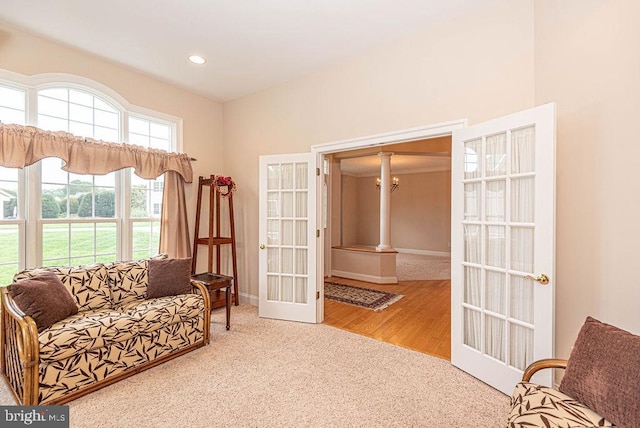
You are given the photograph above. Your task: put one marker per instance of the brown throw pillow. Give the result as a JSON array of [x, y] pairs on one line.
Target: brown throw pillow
[[169, 277], [44, 298], [604, 372]]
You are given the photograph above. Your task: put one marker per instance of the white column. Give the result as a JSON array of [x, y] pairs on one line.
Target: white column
[[385, 201]]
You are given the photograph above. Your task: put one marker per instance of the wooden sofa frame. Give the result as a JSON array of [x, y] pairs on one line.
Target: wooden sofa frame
[[20, 354]]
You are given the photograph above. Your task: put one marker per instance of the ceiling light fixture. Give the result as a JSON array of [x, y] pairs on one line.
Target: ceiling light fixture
[[197, 59]]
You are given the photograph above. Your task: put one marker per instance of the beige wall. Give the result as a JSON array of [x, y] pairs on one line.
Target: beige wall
[[349, 210], [202, 118], [479, 66], [420, 212], [421, 217], [587, 60]]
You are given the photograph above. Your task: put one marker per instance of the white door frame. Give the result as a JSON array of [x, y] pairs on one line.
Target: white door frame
[[442, 129]]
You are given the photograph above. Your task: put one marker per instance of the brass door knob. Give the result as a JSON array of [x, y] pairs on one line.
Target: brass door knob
[[542, 278], [262, 246]]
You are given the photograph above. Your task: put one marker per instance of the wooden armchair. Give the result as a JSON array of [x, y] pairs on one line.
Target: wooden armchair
[[600, 386]]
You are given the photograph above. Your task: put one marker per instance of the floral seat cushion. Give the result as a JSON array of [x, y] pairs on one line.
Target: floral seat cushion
[[533, 405], [85, 331], [86, 284], [154, 314]]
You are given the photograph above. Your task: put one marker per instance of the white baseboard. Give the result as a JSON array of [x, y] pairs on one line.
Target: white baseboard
[[366, 278], [423, 252], [249, 299]]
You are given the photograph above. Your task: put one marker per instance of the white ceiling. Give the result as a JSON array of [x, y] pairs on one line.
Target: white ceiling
[[249, 45]]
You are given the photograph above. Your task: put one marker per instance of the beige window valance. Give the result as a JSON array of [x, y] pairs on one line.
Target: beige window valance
[[21, 146]]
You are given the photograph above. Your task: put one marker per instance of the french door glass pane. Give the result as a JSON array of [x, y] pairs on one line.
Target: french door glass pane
[[522, 150], [287, 232], [522, 200], [273, 204], [301, 233], [473, 159], [472, 286], [472, 241], [301, 261], [494, 337], [301, 204], [273, 260], [301, 290], [273, 232], [301, 176], [496, 246], [496, 155], [495, 201], [521, 348], [287, 289], [472, 198], [287, 204], [472, 329], [287, 176], [287, 260], [495, 293], [522, 249], [272, 287], [522, 299], [273, 177]]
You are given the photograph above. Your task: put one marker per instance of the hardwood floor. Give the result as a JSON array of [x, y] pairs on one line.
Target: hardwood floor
[[420, 321]]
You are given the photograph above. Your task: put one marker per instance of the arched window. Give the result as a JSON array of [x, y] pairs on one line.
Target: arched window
[[51, 217]]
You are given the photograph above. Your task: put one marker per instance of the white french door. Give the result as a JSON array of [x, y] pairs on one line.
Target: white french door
[[287, 254], [503, 239]]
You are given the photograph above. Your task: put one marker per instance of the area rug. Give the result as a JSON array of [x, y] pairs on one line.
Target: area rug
[[357, 296]]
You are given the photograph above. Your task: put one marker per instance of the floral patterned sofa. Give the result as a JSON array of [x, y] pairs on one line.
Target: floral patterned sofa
[[117, 331], [599, 388]]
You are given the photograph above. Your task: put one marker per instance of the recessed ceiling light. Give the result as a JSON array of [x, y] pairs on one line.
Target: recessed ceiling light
[[197, 59]]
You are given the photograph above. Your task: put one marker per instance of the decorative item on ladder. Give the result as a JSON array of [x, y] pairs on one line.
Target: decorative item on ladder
[[218, 186]]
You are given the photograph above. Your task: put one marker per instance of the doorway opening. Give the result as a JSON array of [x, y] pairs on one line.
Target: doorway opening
[[420, 224]]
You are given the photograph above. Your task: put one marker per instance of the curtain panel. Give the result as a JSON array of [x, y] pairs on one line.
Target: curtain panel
[[22, 146]]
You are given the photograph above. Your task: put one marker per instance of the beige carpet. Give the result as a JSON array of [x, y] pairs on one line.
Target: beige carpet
[[412, 267], [266, 373]]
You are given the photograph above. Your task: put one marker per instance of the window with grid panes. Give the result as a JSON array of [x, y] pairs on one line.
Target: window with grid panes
[[12, 225], [82, 218]]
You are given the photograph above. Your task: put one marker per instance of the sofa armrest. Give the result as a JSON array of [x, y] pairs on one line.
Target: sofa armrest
[[19, 351], [547, 363], [202, 289]]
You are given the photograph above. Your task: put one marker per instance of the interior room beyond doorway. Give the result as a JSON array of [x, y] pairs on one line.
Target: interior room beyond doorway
[[420, 223]]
